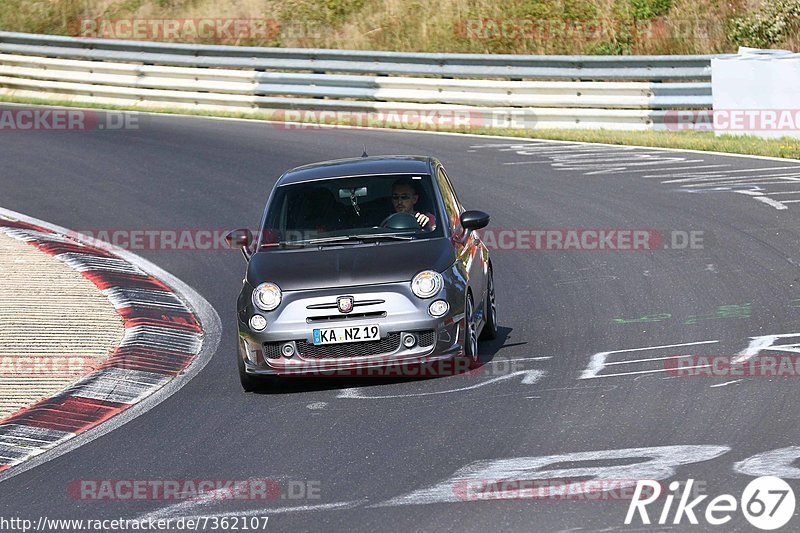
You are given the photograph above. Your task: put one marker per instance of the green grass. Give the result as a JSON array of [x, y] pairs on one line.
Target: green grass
[[685, 140]]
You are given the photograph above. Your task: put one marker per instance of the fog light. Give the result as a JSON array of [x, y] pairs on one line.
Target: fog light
[[287, 349], [409, 340], [438, 308], [258, 323]]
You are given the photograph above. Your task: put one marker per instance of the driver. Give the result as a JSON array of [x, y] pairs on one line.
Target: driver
[[404, 199]]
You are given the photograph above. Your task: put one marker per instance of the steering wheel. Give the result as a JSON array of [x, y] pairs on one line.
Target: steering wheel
[[400, 221]]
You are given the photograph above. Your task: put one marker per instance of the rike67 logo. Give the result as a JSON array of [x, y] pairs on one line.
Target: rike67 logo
[[767, 503]]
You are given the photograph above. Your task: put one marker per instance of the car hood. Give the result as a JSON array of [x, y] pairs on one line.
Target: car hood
[[343, 266]]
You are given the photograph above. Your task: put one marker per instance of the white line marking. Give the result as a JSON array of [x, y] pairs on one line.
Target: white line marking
[[647, 360], [755, 184], [512, 360], [529, 377], [645, 372], [733, 178], [614, 157], [726, 383], [223, 495], [280, 510], [767, 342], [598, 360], [778, 463], [596, 365], [671, 169], [584, 157], [585, 280], [713, 174], [769, 201], [623, 466], [528, 163], [202, 499], [770, 180], [615, 170], [543, 149], [622, 162]]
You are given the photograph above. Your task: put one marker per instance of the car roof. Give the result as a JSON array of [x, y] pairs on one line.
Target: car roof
[[358, 166]]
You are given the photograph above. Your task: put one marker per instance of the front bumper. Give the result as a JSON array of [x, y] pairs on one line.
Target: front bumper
[[392, 307]]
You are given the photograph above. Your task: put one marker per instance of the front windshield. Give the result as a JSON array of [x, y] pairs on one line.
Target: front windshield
[[394, 206]]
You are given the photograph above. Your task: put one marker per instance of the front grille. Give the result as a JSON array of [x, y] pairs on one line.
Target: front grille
[[425, 338], [272, 350], [334, 305], [349, 349], [354, 316]]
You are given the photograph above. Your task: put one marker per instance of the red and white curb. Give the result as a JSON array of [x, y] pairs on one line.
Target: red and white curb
[[170, 333]]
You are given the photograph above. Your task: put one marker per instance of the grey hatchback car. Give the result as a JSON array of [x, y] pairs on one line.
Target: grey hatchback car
[[362, 264]]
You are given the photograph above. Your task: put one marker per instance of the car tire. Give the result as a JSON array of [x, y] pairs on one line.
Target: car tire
[[470, 334], [490, 328]]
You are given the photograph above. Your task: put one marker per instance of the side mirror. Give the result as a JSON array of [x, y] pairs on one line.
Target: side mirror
[[239, 238], [473, 220]]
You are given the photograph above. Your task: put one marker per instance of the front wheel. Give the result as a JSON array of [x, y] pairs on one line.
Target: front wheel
[[470, 332], [490, 329]]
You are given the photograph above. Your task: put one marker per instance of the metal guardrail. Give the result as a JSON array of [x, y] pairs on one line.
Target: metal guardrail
[[562, 91]]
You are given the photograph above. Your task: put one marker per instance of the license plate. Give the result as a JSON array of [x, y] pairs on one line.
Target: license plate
[[348, 334]]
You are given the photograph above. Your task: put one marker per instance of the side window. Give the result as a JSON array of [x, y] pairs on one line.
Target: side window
[[450, 201], [453, 192]]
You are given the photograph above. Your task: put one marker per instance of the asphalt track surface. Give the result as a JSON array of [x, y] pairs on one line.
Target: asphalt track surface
[[368, 445]]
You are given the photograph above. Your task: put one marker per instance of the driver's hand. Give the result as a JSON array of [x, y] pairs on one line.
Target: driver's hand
[[422, 220]]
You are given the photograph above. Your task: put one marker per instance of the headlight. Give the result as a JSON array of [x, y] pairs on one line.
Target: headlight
[[267, 296], [427, 283]]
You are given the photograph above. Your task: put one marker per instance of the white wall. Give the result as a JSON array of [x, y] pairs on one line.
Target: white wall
[[757, 93]]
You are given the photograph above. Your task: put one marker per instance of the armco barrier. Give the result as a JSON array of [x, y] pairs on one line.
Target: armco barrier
[[618, 92]]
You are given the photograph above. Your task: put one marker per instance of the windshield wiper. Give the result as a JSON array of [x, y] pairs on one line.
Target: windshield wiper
[[322, 240], [398, 236], [340, 239], [326, 240], [284, 244]]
